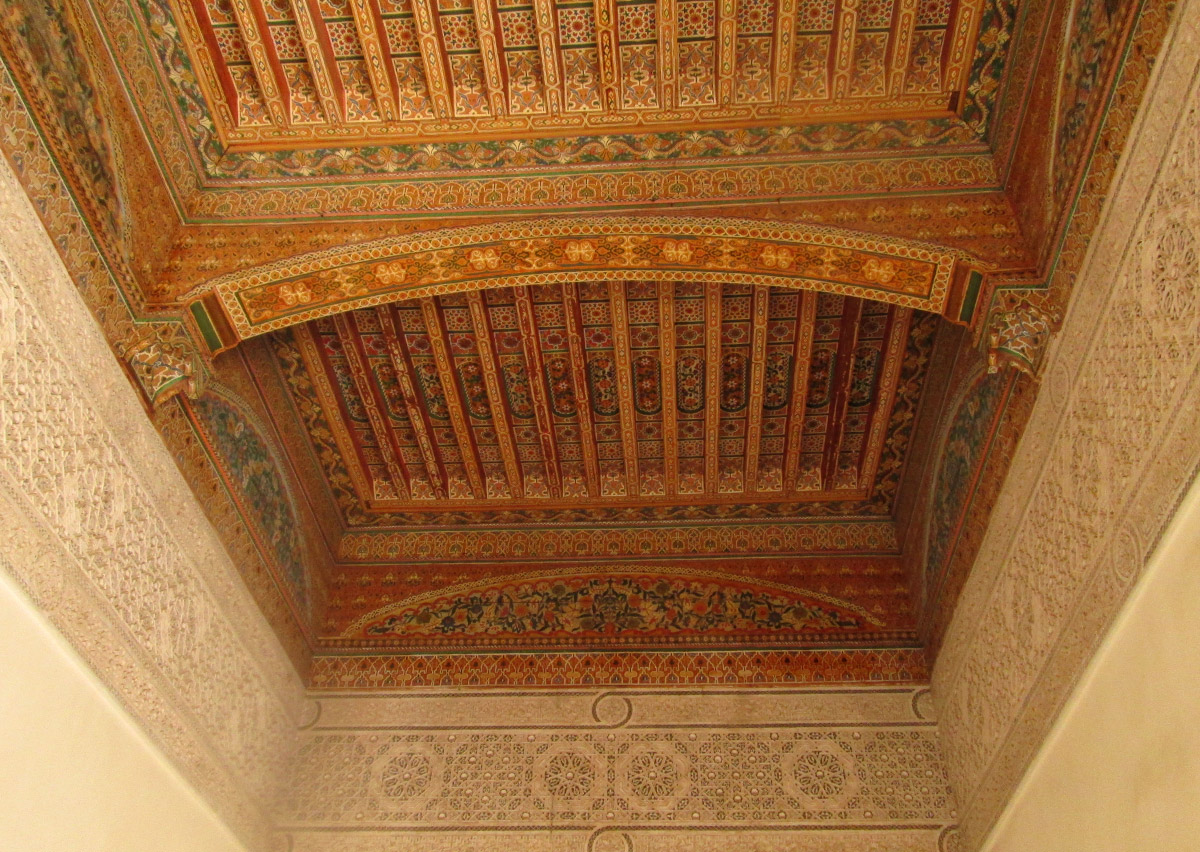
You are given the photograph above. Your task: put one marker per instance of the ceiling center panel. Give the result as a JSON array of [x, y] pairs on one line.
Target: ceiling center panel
[[295, 73]]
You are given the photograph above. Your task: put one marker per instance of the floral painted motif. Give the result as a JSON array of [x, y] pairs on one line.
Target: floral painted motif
[[516, 387], [621, 605], [470, 374], [777, 389], [689, 384], [735, 382], [252, 473], [431, 389], [602, 378], [863, 375], [647, 384], [820, 377], [562, 390]]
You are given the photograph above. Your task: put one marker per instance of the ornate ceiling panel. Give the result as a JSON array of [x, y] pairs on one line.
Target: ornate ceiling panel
[[667, 400], [336, 72]]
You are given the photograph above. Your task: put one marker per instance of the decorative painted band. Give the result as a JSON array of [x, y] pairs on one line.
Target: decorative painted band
[[911, 274]]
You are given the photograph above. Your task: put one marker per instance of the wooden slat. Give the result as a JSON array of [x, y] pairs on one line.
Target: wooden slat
[[531, 346], [494, 75], [624, 366], [760, 301], [670, 410], [374, 406], [726, 50], [845, 25], [608, 48], [436, 329], [798, 409], [252, 24], [546, 23], [712, 386], [224, 80], [437, 71], [904, 25], [959, 45], [785, 48], [418, 414], [317, 368], [667, 15], [493, 380], [840, 400], [899, 323], [587, 435], [318, 47], [368, 22]]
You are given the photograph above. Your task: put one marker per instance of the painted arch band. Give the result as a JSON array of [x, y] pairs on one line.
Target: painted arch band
[[737, 251]]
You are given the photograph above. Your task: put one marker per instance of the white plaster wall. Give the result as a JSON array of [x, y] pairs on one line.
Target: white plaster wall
[[76, 773], [1121, 769]]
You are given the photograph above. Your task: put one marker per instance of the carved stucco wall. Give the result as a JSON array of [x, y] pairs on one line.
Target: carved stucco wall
[[1112, 443], [99, 528]]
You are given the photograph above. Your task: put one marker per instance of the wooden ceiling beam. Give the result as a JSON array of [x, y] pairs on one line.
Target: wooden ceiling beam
[[374, 405], [608, 48], [786, 14], [418, 414], [667, 15], [494, 76], [368, 22], [575, 345], [845, 27], [712, 386], [670, 411], [435, 327], [546, 23], [798, 409], [959, 47], [318, 48], [840, 398], [226, 96], [759, 304], [433, 57], [531, 346], [493, 378], [904, 25], [260, 47], [726, 51], [888, 383], [624, 368]]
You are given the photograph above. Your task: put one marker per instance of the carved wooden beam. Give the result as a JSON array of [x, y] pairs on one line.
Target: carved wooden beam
[[374, 406], [531, 346], [463, 433], [667, 15], [505, 436], [317, 366], [546, 23], [608, 48], [904, 25], [670, 412], [845, 25], [785, 48], [368, 22], [726, 50], [486, 22], [798, 409], [327, 79], [960, 44], [418, 415], [896, 341], [260, 47], [433, 58], [840, 401], [760, 302], [574, 321], [624, 367], [226, 94], [712, 385]]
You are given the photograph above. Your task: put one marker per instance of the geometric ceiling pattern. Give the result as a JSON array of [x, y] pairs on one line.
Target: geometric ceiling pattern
[[335, 72]]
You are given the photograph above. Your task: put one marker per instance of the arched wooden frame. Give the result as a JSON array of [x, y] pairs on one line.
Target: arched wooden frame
[[910, 274]]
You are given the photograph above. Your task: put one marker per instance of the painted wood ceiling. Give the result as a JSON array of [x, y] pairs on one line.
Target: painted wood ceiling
[[328, 72]]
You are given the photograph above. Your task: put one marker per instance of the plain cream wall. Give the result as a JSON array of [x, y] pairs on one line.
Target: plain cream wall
[[1121, 769], [76, 774]]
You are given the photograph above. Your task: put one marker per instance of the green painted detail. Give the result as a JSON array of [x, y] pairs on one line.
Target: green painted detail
[[211, 338], [974, 284]]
